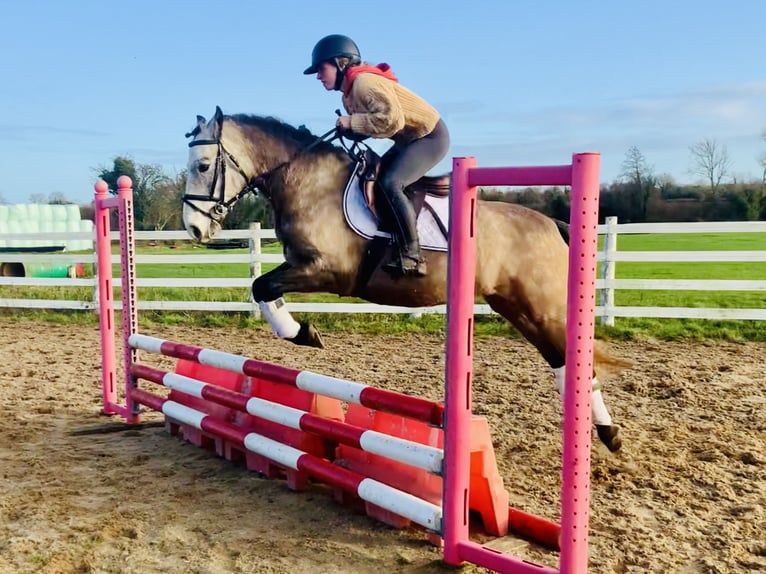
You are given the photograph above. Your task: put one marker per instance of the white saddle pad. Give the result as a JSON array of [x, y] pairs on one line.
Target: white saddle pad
[[365, 223]]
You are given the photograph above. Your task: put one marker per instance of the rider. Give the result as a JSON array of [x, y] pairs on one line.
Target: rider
[[380, 107]]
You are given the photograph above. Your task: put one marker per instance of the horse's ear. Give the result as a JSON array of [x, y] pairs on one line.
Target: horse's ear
[[200, 124], [218, 119]]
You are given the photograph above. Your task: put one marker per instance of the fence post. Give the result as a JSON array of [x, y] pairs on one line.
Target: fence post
[[254, 244], [608, 271]]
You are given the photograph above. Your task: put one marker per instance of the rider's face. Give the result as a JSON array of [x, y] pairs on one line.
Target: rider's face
[[327, 73]]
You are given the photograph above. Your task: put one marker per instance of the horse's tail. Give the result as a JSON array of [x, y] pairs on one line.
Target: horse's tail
[[563, 228], [607, 363]]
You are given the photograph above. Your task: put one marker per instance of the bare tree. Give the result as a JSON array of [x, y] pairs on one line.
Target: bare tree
[[637, 172], [163, 203], [666, 184], [54, 198], [58, 198], [635, 168], [762, 161], [710, 161]]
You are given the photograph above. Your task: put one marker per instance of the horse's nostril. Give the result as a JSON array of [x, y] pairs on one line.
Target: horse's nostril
[[195, 232]]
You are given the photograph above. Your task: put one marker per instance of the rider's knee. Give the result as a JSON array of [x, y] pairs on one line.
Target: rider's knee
[[391, 184]]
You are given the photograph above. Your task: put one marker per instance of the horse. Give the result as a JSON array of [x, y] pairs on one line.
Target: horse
[[521, 257]]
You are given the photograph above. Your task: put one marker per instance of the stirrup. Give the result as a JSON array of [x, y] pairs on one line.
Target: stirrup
[[407, 266]]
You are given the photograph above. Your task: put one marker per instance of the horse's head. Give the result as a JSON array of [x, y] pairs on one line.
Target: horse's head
[[217, 177]]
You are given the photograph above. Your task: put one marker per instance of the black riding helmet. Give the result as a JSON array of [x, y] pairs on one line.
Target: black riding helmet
[[332, 47]]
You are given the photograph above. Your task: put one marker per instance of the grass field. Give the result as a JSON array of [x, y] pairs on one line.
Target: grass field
[[625, 328]]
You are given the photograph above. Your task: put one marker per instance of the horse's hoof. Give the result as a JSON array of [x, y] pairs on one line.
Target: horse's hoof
[[308, 336], [610, 436]]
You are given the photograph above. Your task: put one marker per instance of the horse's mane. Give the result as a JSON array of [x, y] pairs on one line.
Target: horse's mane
[[279, 129]]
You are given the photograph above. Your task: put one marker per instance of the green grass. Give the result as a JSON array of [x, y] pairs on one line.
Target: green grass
[[691, 242], [625, 328], [711, 270]]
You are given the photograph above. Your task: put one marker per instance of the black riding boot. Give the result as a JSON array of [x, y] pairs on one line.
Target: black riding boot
[[409, 261]]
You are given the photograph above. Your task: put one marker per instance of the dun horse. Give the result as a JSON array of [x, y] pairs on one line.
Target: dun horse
[[522, 258]]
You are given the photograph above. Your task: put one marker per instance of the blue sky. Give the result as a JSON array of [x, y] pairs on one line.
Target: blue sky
[[518, 82]]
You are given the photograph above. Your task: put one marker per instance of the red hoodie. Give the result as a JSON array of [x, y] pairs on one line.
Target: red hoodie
[[379, 70]]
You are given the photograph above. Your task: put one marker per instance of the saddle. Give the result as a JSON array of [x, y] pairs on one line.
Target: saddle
[[368, 171]]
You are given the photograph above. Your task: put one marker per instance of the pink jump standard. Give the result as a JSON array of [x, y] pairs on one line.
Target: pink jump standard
[[122, 204], [453, 464], [583, 177]]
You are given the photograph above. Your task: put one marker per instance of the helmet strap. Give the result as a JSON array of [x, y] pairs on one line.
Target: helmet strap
[[340, 75]]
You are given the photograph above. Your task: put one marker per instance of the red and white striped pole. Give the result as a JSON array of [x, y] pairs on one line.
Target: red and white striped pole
[[422, 456], [378, 399], [404, 504]]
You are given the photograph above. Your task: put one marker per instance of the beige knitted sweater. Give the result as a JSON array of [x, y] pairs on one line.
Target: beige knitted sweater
[[382, 108]]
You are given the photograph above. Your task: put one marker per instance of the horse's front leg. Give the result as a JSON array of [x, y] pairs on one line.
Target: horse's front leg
[[268, 290]]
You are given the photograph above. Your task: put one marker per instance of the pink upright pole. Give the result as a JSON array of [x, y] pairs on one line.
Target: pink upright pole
[[129, 304], [581, 301], [461, 278], [105, 301]]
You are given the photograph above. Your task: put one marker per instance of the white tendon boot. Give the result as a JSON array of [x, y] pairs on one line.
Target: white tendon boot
[[601, 416], [282, 323]]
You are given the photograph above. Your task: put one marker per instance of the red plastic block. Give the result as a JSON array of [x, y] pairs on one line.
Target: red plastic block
[[263, 389], [487, 495]]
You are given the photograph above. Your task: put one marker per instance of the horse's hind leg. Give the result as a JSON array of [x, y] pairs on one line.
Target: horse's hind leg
[[549, 338]]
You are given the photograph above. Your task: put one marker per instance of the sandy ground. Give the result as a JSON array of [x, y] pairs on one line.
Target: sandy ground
[[687, 493]]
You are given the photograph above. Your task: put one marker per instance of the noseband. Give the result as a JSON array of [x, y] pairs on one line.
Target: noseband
[[218, 212]]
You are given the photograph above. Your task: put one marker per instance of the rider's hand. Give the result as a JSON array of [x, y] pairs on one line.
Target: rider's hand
[[343, 123]]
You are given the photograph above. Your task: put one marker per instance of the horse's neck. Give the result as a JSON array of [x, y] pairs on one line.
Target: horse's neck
[[307, 182], [256, 151], [297, 180]]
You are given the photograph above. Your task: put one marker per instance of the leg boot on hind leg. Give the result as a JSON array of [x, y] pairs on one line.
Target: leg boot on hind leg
[[608, 433]]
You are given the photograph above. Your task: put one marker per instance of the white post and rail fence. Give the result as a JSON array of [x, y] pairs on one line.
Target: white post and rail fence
[[21, 265]]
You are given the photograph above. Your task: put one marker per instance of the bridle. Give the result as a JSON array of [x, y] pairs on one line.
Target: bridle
[[257, 184]]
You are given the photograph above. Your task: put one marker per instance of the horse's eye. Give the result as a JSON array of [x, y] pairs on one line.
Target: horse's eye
[[203, 167]]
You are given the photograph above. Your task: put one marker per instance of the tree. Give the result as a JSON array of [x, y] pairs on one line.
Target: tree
[[762, 161], [250, 209], [58, 198], [55, 198], [637, 172], [666, 185], [710, 161], [145, 177], [163, 204], [635, 167], [120, 166]]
